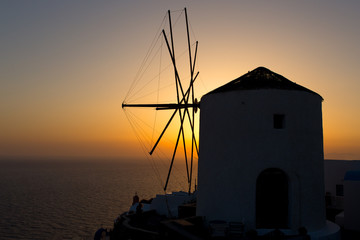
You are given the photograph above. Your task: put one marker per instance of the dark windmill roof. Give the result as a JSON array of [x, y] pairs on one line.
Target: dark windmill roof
[[260, 78]]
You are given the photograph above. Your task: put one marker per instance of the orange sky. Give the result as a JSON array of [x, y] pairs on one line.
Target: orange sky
[[66, 67]]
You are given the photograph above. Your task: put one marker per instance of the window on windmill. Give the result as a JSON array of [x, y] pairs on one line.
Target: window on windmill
[[339, 190], [279, 121]]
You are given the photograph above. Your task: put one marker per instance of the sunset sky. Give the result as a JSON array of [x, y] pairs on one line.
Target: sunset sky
[[66, 66]]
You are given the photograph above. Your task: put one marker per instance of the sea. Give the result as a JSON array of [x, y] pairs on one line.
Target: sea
[[71, 199]]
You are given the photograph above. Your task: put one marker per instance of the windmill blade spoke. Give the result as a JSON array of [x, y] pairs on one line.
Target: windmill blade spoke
[[188, 38], [191, 86], [193, 144], [171, 37], [162, 133], [191, 162], [177, 88], [196, 146], [191, 121], [172, 56], [192, 82], [172, 160], [180, 85], [195, 54], [182, 117]]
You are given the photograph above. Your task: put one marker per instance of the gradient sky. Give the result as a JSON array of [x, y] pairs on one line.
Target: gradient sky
[[66, 66]]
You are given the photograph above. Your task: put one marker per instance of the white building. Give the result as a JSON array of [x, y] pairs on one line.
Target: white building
[[342, 186], [261, 154], [335, 171], [352, 200]]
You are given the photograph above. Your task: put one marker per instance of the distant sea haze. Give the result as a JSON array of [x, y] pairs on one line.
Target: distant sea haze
[[72, 199]]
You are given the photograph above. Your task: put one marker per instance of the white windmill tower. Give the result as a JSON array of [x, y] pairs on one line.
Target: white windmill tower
[[261, 154]]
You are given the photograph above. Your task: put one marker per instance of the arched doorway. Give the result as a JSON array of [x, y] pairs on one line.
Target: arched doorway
[[272, 199]]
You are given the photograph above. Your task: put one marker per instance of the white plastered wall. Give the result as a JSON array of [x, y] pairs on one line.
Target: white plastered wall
[[238, 141]]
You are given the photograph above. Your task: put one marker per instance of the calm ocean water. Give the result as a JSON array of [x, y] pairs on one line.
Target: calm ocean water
[[72, 199]]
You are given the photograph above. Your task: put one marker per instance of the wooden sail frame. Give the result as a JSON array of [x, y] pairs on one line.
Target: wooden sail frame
[[183, 105]]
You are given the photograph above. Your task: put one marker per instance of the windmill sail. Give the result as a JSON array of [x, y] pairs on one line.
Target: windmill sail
[[185, 107]]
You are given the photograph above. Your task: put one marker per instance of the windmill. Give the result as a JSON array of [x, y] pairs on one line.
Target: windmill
[[185, 107]]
